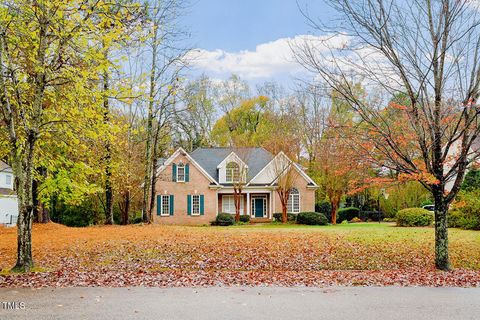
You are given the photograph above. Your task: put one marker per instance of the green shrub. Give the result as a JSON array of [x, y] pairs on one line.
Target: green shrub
[[471, 181], [244, 218], [389, 220], [465, 212], [137, 220], [224, 219], [81, 215], [426, 203], [291, 217], [414, 217], [312, 218], [324, 207], [347, 214], [371, 215]]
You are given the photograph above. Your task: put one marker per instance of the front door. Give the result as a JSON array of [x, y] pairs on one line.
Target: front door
[[259, 202]]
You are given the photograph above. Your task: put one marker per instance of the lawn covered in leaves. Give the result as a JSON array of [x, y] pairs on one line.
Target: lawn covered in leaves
[[154, 255]]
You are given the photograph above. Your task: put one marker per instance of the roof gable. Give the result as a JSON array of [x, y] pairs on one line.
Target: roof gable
[[269, 174], [180, 151], [210, 158], [232, 157], [5, 167]]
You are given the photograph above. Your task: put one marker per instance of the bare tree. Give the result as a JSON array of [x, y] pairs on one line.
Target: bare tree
[[195, 118], [166, 61], [313, 104], [238, 171], [286, 175], [427, 51]]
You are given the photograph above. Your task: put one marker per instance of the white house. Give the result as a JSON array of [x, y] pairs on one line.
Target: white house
[[8, 198]]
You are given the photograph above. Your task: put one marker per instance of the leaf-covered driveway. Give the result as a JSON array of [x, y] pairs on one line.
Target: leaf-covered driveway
[[155, 255]]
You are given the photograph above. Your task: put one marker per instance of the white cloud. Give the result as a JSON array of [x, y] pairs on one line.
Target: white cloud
[[266, 61]]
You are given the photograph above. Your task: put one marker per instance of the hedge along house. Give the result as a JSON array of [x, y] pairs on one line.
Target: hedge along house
[[193, 188]]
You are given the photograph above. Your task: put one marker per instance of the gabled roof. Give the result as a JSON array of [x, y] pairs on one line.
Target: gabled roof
[[297, 167], [5, 167], [209, 159], [180, 151], [232, 157]]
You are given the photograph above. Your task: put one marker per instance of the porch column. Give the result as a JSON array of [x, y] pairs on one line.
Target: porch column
[[273, 201], [248, 203], [270, 206]]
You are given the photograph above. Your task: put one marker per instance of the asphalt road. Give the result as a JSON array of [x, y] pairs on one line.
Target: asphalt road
[[242, 303]]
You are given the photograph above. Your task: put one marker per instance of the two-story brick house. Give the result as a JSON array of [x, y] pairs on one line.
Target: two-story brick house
[[193, 188]]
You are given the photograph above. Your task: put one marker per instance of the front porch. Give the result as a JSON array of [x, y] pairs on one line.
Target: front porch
[[258, 205]]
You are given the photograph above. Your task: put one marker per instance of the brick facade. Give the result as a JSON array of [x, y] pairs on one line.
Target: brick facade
[[199, 184]]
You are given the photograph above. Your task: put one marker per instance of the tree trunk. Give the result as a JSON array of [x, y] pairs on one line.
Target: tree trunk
[[24, 174], [284, 213], [126, 207], [36, 210], [236, 199], [442, 261], [148, 187], [45, 214], [108, 156], [153, 182], [40, 213], [334, 211]]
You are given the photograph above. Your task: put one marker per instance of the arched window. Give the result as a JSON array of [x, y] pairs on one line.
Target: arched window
[[232, 172], [293, 204]]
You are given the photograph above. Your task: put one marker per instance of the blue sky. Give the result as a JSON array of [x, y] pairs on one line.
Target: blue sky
[[235, 25], [249, 38]]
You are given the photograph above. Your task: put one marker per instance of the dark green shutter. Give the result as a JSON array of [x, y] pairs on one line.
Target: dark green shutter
[[174, 172], [189, 205], [187, 172], [171, 205], [202, 205], [159, 205]]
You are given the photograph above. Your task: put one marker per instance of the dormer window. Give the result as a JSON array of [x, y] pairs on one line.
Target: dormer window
[[180, 172], [232, 173]]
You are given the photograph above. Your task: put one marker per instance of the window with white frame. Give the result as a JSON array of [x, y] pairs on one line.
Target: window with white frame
[[232, 173], [228, 204], [293, 204], [8, 179], [195, 205], [165, 205], [180, 172]]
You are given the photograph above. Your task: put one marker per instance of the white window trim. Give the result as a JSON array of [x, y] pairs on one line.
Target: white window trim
[[193, 213], [8, 179], [233, 199], [227, 169], [265, 206], [164, 214], [184, 172], [293, 206]]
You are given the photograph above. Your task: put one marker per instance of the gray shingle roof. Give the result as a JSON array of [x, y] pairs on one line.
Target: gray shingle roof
[[210, 158]]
